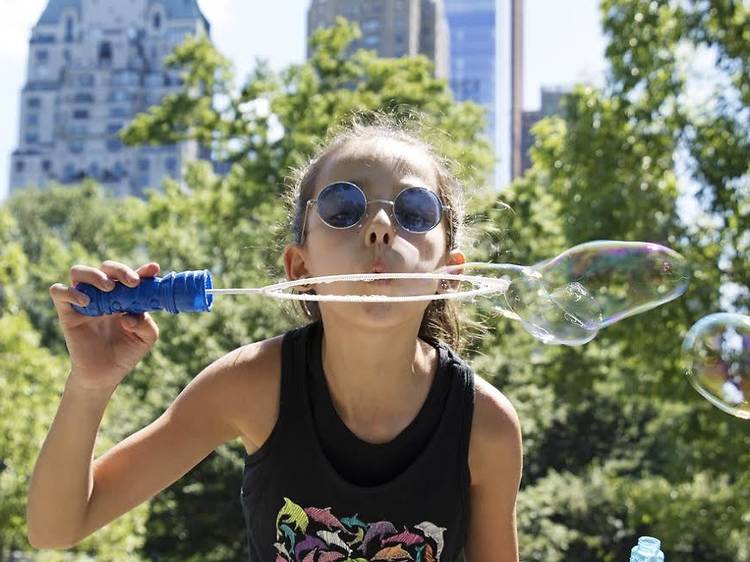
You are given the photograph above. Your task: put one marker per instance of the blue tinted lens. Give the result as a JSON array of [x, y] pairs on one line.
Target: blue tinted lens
[[417, 209], [341, 205]]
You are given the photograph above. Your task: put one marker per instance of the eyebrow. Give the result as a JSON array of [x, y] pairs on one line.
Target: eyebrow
[[364, 184]]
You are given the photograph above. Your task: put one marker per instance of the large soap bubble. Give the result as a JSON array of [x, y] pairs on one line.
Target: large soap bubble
[[717, 352]]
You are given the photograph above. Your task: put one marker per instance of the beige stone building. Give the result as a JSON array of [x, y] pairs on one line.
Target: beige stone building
[[393, 28], [93, 65]]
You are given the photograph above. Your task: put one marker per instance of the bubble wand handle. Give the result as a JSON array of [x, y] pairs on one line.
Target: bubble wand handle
[[186, 291]]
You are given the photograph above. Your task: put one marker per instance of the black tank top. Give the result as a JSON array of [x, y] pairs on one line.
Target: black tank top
[[315, 492]]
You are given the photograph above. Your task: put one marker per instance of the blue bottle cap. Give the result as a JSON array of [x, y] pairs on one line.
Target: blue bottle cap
[[647, 550]]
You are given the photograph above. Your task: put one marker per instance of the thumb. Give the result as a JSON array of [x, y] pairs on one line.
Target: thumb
[[141, 325]]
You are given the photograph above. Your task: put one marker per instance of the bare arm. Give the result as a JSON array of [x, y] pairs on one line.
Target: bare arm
[[496, 475], [62, 480], [70, 496]]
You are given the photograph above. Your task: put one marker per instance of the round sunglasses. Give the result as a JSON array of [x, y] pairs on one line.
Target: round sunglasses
[[343, 204]]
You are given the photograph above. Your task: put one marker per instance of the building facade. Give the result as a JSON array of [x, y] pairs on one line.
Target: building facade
[[552, 99], [486, 69], [473, 54], [393, 28], [93, 65]]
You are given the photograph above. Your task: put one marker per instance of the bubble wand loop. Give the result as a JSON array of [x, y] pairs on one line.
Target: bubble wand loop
[[485, 285]]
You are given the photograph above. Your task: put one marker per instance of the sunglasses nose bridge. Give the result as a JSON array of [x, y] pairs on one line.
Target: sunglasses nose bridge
[[370, 213]]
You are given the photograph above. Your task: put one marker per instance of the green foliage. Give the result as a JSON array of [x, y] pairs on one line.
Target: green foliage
[[616, 442]]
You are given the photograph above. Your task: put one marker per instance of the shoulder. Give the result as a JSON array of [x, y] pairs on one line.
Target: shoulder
[[247, 383], [495, 442]]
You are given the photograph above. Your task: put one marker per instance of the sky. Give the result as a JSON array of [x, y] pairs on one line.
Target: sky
[[563, 44]]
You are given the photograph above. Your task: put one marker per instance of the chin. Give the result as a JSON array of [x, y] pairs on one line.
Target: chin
[[377, 315]]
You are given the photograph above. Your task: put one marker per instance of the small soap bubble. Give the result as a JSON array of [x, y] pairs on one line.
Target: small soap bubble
[[716, 351]]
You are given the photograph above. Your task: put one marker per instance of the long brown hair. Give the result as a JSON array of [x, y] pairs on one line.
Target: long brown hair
[[442, 319]]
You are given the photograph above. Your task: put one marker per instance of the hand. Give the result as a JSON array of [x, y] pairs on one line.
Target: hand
[[103, 349]]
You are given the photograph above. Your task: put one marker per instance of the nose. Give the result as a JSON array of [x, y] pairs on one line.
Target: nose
[[379, 227]]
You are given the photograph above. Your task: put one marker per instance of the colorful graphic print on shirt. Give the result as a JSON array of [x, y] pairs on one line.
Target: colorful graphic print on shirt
[[314, 534]]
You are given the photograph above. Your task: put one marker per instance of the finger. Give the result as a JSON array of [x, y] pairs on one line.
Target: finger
[[148, 270], [63, 297], [142, 326], [121, 272], [92, 276]]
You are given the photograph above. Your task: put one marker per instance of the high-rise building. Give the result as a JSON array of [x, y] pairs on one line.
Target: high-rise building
[[473, 60], [93, 65], [393, 28], [551, 105], [485, 68]]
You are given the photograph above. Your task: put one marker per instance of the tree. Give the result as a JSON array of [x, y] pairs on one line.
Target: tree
[[30, 387], [234, 225], [617, 443]]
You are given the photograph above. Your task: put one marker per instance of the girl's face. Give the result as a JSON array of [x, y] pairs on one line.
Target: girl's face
[[381, 168]]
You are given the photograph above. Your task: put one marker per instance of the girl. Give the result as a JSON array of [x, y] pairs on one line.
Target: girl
[[367, 436]]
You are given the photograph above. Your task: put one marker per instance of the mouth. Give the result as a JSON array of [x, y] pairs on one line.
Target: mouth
[[379, 282]]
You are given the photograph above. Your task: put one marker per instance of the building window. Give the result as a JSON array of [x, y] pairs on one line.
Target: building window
[[81, 114], [76, 130], [171, 164], [69, 29], [42, 56], [32, 120], [83, 97], [118, 112], [114, 128], [154, 80], [68, 172], [66, 56], [125, 78], [85, 80], [33, 103], [76, 147], [144, 164], [371, 40], [157, 21], [114, 145], [370, 25], [46, 165], [105, 53], [31, 138], [119, 95], [20, 166]]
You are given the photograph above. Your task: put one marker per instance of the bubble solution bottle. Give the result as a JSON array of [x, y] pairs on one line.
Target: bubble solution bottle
[[647, 550]]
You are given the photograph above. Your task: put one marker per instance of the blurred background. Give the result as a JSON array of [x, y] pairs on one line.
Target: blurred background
[[161, 130]]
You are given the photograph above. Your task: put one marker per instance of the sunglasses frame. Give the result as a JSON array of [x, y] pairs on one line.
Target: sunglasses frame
[[390, 202]]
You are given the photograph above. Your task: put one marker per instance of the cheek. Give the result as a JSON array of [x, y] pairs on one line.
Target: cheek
[[426, 249]]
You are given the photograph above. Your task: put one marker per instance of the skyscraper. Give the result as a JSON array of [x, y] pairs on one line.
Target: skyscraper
[[93, 65], [472, 39], [393, 28], [481, 68]]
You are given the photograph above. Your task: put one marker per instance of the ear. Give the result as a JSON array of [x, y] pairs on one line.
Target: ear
[[454, 258], [294, 264]]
